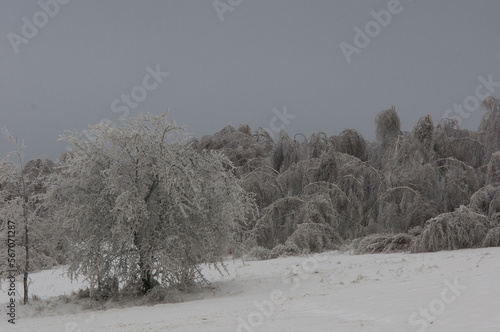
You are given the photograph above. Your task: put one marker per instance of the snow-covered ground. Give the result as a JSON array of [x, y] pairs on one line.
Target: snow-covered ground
[[444, 291]]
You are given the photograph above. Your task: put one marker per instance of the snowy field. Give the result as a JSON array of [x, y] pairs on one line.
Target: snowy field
[[444, 291]]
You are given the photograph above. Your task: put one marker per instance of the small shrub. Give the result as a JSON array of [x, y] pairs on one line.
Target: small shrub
[[382, 243], [83, 293], [287, 249], [108, 288], [65, 299], [314, 237], [39, 309], [259, 253], [281, 250], [132, 288], [161, 294]]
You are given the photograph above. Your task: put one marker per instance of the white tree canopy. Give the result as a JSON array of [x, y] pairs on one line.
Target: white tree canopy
[[139, 205]]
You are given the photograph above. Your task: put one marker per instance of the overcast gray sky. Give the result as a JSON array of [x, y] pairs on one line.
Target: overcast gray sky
[[234, 61]]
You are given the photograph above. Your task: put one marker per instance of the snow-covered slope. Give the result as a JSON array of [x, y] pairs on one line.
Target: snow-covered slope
[[444, 291]]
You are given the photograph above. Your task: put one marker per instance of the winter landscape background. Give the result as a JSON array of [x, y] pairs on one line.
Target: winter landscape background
[[173, 166]]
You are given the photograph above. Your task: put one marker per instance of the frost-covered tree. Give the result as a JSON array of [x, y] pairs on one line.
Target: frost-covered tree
[[493, 173], [241, 147], [318, 143], [388, 125], [351, 142], [29, 235], [263, 183], [287, 152], [462, 144], [142, 208], [460, 183], [462, 228], [490, 125], [388, 137]]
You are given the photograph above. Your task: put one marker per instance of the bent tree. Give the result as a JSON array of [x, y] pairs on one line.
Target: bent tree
[[143, 209]]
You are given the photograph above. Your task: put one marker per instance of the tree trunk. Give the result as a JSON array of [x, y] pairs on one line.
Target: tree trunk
[[26, 241], [27, 265], [147, 279]]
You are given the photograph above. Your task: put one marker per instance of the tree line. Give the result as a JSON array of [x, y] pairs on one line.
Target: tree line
[[139, 207]]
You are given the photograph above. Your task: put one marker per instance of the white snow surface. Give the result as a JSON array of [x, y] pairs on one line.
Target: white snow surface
[[334, 291]]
